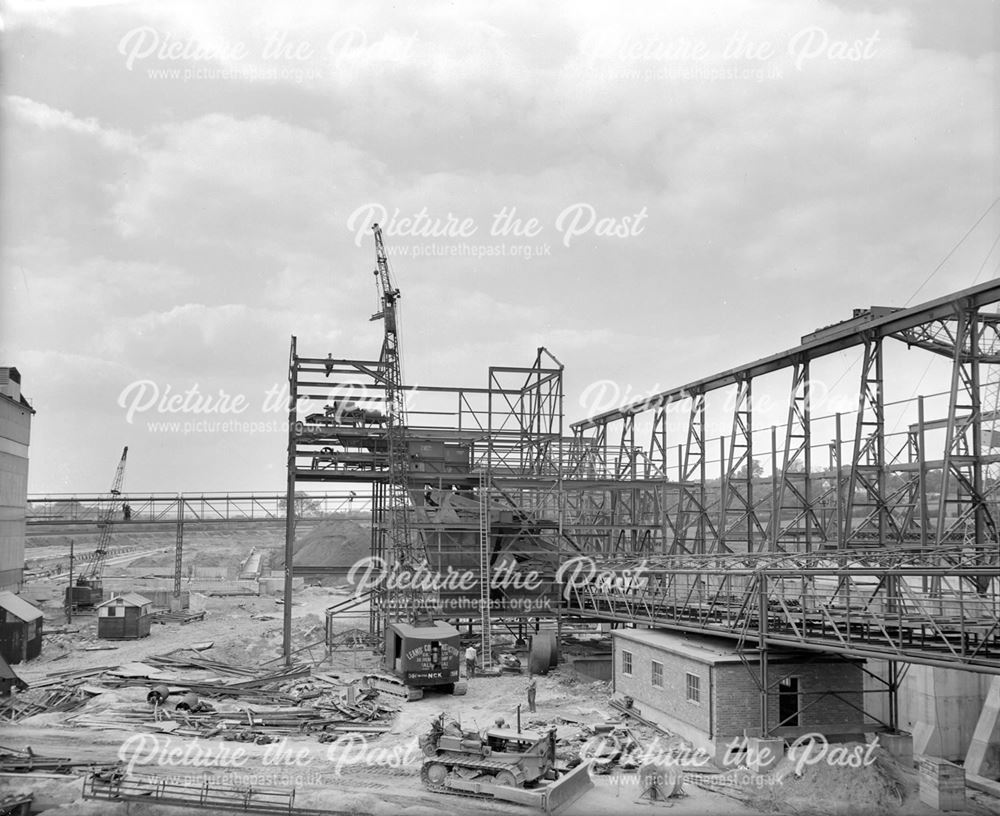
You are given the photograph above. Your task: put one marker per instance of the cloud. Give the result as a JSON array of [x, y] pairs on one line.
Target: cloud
[[216, 178], [813, 158], [31, 112]]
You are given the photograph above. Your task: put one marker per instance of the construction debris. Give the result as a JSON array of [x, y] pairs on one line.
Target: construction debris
[[27, 761], [178, 617], [249, 704]]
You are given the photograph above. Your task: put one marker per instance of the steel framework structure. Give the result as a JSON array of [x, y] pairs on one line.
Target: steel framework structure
[[483, 475], [872, 544], [881, 495], [856, 540]]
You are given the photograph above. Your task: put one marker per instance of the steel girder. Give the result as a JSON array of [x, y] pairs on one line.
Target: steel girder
[[871, 605]]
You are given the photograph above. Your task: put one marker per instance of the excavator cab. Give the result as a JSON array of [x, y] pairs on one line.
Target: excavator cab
[[85, 593], [419, 656]]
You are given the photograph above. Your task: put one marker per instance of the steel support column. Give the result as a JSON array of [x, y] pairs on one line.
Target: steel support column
[[286, 640], [868, 466], [795, 484], [737, 481]]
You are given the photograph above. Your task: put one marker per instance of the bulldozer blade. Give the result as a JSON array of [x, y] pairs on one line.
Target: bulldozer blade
[[567, 789]]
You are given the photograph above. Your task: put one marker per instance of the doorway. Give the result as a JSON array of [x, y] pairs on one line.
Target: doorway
[[788, 701]]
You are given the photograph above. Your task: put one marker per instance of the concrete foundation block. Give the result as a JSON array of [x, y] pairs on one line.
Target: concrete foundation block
[[983, 757], [276, 586], [942, 783], [899, 747], [763, 754], [946, 703]]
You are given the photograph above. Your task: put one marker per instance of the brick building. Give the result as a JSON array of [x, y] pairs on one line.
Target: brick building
[[700, 688]]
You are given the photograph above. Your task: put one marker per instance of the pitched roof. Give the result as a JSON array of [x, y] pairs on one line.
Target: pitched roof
[[7, 673], [19, 607], [128, 599], [438, 630]]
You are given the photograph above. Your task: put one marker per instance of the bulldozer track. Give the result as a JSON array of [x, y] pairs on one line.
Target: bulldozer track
[[394, 687], [459, 761], [482, 797]]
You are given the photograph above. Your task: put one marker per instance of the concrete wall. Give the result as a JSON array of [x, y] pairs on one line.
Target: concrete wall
[[275, 585], [15, 433], [592, 667], [223, 573], [160, 598], [940, 707]]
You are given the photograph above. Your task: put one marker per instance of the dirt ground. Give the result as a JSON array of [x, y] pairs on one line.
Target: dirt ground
[[380, 776]]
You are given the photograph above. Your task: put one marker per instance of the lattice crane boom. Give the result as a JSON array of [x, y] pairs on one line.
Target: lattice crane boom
[[110, 508], [400, 604]]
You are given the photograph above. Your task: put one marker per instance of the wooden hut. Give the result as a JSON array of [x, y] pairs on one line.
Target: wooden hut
[[20, 629], [9, 681], [124, 617]]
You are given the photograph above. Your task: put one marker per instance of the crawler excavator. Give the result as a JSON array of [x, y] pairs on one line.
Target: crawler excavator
[[88, 591], [419, 652]]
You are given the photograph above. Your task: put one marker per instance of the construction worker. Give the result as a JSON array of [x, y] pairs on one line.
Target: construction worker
[[531, 695], [470, 662], [498, 743]]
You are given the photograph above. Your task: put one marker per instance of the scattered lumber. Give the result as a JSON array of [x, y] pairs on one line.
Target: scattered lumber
[[27, 761], [178, 617], [269, 701]]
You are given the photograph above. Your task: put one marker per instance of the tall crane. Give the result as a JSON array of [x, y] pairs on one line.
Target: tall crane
[[419, 652], [88, 589], [398, 604]]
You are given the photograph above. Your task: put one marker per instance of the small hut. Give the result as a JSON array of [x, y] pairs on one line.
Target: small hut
[[124, 617], [9, 681], [20, 629]]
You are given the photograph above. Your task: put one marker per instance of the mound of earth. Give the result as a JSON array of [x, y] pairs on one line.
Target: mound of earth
[[817, 786], [333, 543]]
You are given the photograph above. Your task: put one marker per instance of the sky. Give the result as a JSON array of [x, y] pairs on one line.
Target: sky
[[652, 191]]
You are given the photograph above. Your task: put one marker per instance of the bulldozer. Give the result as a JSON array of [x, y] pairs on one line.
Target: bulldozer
[[500, 763]]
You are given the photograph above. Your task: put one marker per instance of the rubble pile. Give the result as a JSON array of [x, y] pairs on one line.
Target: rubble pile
[[822, 787], [815, 788]]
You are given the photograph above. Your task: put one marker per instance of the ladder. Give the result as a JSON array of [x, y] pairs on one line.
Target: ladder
[[486, 645]]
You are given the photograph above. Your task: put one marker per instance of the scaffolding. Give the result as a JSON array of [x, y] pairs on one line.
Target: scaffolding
[[836, 531], [482, 477]]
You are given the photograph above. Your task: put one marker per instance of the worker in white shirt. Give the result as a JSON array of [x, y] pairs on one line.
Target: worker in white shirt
[[470, 661]]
